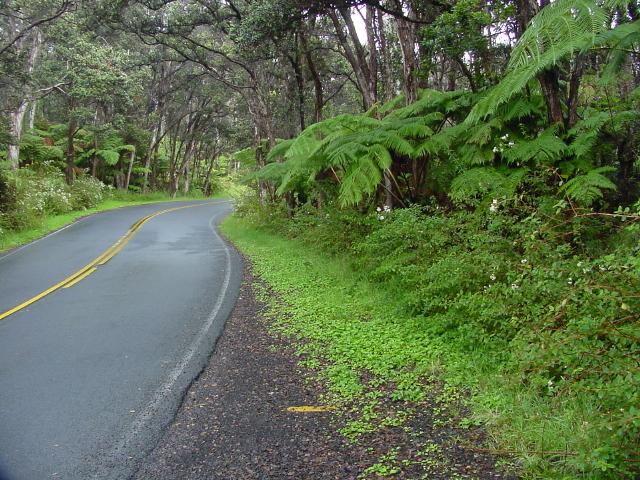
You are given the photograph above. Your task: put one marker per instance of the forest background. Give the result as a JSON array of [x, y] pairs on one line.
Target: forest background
[[478, 160]]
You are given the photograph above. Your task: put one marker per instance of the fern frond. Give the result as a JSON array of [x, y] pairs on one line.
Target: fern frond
[[441, 142], [482, 134], [546, 148], [110, 157], [586, 132], [363, 176], [473, 155], [272, 172], [280, 149], [586, 189], [560, 29], [476, 184], [520, 107]]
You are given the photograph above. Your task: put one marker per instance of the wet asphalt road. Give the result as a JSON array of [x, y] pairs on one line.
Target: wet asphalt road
[[90, 375]]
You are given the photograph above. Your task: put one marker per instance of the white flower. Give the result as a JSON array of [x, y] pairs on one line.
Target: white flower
[[524, 261], [381, 217], [511, 144], [492, 277], [560, 183], [378, 209], [579, 264], [387, 208], [496, 149], [505, 137], [570, 281], [515, 286]]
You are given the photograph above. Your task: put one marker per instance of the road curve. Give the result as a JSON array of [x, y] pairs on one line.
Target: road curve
[[91, 374]]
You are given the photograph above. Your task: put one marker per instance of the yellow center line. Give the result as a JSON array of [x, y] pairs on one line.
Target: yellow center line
[[310, 409], [103, 258], [77, 279]]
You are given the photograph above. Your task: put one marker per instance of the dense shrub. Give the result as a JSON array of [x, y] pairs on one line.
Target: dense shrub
[[7, 199], [27, 196], [87, 192], [525, 299], [36, 195]]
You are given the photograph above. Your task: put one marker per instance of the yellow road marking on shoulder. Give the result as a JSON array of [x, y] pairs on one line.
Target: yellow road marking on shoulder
[[310, 409], [77, 279], [91, 267]]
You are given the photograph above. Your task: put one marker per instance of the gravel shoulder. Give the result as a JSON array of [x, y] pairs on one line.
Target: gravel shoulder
[[233, 422]]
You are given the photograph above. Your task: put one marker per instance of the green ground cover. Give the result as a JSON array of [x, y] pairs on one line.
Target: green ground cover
[[540, 340]]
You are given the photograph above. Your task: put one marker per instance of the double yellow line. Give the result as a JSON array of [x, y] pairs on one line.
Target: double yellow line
[[91, 267]]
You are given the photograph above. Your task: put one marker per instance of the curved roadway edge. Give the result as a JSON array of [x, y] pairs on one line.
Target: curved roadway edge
[[122, 460], [186, 337]]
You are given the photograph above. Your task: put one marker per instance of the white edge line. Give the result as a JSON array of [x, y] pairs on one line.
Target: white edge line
[[38, 240], [167, 386]]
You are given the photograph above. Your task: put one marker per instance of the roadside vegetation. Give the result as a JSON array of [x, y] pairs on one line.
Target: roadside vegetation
[[442, 192], [490, 236]]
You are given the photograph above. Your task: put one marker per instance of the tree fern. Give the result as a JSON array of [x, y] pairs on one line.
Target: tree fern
[[110, 157], [621, 40], [560, 29], [520, 107], [441, 142], [357, 148], [273, 172], [33, 149]]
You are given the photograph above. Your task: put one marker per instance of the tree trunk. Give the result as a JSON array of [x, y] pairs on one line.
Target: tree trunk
[[32, 114], [94, 158], [147, 158], [71, 131], [407, 38], [15, 124], [132, 157], [372, 65], [187, 180], [388, 190], [317, 83], [551, 91], [387, 75], [294, 60], [16, 117], [154, 167], [355, 56], [207, 182]]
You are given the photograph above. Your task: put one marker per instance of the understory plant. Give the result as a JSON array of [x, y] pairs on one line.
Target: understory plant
[[518, 302]]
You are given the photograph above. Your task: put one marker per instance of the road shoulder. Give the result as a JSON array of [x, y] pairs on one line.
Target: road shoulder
[[234, 423]]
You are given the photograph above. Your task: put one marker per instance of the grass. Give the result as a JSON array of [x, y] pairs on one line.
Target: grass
[[12, 239]]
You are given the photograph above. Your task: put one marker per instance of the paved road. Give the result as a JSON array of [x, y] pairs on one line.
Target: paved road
[[89, 375]]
